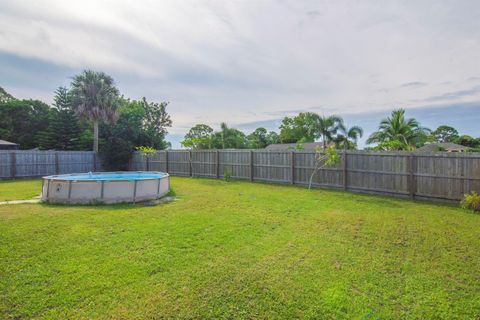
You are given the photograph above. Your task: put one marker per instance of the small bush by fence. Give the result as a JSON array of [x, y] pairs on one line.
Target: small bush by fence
[[26, 164], [445, 176]]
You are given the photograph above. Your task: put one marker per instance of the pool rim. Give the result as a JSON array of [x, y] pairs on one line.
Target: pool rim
[[57, 177]]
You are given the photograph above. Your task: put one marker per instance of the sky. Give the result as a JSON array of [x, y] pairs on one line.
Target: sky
[[251, 63]]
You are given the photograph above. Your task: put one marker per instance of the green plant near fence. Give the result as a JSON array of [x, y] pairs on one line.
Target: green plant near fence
[[471, 201]]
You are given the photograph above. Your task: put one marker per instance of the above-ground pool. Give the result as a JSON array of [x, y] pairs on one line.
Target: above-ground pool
[[105, 187]]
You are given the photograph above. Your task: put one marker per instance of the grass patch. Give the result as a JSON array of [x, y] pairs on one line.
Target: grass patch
[[21, 189], [240, 250]]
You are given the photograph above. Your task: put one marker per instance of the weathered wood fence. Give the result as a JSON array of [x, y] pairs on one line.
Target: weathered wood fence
[[417, 175], [24, 164]]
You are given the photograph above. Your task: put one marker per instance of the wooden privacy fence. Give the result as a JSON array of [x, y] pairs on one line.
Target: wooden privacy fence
[[417, 175], [24, 164]]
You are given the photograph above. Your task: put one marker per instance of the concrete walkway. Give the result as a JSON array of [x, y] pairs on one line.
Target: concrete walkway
[[20, 201]]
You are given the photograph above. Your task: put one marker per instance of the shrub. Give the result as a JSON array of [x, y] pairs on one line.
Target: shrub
[[172, 192], [146, 150], [227, 175], [324, 159], [471, 201]]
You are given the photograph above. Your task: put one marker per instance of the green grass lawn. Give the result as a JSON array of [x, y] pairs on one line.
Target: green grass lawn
[[20, 189], [239, 250]]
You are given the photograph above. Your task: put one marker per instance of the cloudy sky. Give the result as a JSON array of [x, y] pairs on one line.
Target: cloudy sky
[[250, 63]]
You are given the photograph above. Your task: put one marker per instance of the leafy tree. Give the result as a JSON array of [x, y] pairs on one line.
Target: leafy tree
[[272, 138], [198, 137], [202, 136], [95, 97], [398, 132], [258, 138], [348, 137], [5, 96], [155, 123], [119, 139], [467, 141], [24, 121], [229, 138], [132, 129], [307, 126], [444, 134], [302, 127], [85, 139]]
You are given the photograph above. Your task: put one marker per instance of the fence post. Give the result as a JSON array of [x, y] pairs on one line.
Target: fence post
[[411, 185], [95, 162], [217, 164], [166, 161], [135, 191], [102, 191], [191, 165], [292, 168], [462, 174], [13, 164], [57, 165], [251, 165], [147, 159], [345, 170]]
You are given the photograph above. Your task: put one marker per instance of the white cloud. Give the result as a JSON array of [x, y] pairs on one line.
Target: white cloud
[[240, 61]]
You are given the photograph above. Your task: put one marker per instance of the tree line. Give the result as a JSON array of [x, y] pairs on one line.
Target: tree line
[[92, 112], [395, 133], [89, 114], [305, 127]]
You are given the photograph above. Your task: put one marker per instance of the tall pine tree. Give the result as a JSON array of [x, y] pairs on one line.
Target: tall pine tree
[[64, 130]]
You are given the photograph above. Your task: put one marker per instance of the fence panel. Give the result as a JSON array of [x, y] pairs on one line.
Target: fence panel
[[5, 164], [235, 162], [138, 162], [326, 176], [447, 176], [204, 163], [272, 166], [179, 162], [77, 162], [378, 172], [471, 174], [432, 176], [157, 161], [30, 163], [34, 164]]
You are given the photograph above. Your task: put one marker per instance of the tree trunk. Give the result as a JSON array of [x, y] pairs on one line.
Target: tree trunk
[[95, 135]]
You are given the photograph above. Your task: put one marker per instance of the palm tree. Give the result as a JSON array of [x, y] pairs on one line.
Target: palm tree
[[349, 136], [397, 129], [95, 98], [327, 128], [224, 133]]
